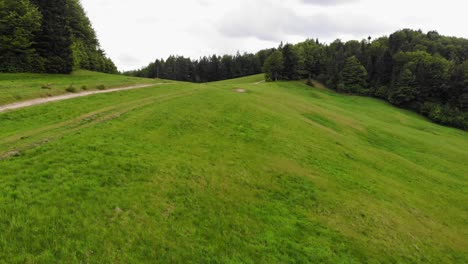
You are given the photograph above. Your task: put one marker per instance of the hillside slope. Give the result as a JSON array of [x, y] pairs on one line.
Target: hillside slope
[[201, 173], [16, 87]]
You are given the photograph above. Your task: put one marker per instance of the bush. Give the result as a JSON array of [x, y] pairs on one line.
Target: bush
[[47, 86], [101, 87], [363, 91], [268, 78], [381, 92], [330, 84], [84, 87], [445, 115], [71, 89]]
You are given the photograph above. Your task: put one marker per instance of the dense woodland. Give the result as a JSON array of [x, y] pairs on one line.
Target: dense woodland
[[206, 69], [53, 36], [427, 73]]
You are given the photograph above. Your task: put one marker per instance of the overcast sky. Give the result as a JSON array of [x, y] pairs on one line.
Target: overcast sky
[[136, 32]]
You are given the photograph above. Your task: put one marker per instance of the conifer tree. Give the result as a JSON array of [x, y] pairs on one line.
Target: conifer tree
[[19, 21], [354, 76], [53, 42], [292, 62]]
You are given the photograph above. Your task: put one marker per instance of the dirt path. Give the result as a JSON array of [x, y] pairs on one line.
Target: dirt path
[[38, 101]]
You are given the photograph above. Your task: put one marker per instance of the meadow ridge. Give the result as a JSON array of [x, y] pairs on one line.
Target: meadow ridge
[[236, 171]]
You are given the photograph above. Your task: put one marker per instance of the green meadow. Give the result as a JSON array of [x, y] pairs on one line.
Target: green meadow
[[201, 173], [23, 86]]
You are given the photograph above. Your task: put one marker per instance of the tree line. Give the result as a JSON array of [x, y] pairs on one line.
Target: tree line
[[424, 72], [205, 69], [49, 36]]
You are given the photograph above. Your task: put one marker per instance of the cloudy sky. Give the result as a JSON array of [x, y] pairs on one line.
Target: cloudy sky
[[136, 32]]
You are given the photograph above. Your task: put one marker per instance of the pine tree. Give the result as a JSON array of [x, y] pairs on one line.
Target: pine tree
[[52, 36], [354, 76], [292, 62], [53, 43], [19, 21]]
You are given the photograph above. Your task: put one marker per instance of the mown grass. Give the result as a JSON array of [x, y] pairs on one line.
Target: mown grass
[[19, 87], [198, 173]]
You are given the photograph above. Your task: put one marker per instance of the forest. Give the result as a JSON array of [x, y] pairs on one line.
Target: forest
[[423, 72], [206, 69], [49, 36]]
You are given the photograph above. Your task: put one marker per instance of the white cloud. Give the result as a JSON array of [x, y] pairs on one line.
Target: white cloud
[[276, 23], [329, 2]]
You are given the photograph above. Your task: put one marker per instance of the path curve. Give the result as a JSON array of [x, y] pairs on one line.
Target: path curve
[[37, 101]]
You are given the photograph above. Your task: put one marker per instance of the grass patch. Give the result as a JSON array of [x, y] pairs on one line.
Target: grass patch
[[320, 119], [198, 173]]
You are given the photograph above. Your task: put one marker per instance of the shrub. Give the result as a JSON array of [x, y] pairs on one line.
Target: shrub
[[445, 115], [101, 87], [71, 89], [341, 87], [363, 91], [381, 92], [84, 87], [47, 86]]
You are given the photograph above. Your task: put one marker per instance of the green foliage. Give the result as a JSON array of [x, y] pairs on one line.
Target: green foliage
[[53, 36], [446, 114], [458, 94], [53, 42], [292, 62], [206, 69], [19, 21], [313, 57], [405, 91], [273, 66], [201, 174], [431, 73], [354, 76]]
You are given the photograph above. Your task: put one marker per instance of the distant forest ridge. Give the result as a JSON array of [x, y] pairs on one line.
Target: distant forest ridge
[[424, 72], [49, 36]]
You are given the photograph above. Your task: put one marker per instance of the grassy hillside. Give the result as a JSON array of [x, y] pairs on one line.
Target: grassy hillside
[[19, 87], [199, 173]]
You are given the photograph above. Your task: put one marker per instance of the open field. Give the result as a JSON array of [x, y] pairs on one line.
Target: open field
[[23, 86], [200, 173]]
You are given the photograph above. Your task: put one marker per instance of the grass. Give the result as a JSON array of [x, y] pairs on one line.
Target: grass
[[198, 173], [19, 87]]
